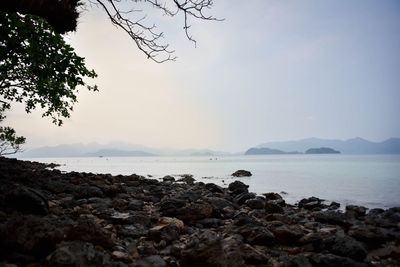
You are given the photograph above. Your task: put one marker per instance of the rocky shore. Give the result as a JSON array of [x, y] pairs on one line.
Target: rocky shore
[[49, 218]]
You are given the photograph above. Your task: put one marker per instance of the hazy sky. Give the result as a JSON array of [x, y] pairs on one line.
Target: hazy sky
[[273, 70]]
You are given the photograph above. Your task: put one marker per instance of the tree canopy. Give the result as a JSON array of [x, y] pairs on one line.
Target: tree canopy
[[39, 69]]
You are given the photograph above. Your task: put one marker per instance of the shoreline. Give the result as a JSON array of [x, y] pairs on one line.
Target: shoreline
[[50, 218]]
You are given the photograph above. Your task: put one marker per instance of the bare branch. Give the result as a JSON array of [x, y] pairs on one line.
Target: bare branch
[[146, 37]]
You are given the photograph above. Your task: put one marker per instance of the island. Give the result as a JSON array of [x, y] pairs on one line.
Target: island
[[322, 150], [267, 151]]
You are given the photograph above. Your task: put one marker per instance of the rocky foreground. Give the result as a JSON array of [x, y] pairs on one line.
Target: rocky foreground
[[48, 218]]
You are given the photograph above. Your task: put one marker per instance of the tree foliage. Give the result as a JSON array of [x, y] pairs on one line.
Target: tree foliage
[[10, 143], [38, 68]]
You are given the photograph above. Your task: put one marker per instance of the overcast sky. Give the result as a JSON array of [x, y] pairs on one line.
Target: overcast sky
[[273, 70]]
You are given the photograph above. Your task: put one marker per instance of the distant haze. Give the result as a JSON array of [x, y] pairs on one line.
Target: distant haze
[[272, 71]]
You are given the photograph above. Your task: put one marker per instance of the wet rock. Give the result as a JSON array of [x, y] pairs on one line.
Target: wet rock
[[256, 203], [241, 173], [237, 187], [27, 200]]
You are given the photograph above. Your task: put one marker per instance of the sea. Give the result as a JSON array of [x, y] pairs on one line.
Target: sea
[[372, 181]]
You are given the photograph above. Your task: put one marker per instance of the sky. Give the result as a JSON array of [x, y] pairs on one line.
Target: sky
[[271, 71]]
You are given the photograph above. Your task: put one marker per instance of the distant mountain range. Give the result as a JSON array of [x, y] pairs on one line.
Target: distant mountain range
[[116, 149], [351, 146], [119, 149]]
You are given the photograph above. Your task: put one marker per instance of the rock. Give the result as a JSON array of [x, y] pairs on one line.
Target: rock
[[171, 221], [311, 203], [135, 204], [151, 261], [237, 187], [27, 200], [253, 256], [72, 254], [88, 228], [345, 246], [272, 207], [208, 249], [168, 178], [193, 211], [256, 203], [334, 206], [257, 235], [241, 173], [88, 191], [331, 217], [210, 222], [243, 197], [187, 178], [287, 234], [329, 260], [272, 196], [214, 188], [371, 235], [168, 233], [357, 211]]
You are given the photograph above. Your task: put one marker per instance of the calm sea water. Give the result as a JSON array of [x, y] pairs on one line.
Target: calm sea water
[[369, 180]]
